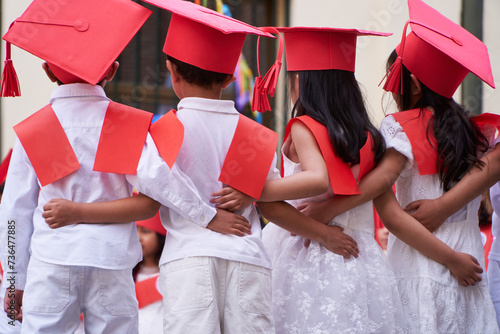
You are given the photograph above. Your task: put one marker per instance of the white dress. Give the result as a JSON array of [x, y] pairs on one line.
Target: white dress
[[317, 291], [430, 294]]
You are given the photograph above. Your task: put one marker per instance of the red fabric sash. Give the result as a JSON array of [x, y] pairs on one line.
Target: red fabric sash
[[49, 150], [339, 172], [122, 139], [147, 292], [168, 134], [249, 157], [415, 123], [487, 123]]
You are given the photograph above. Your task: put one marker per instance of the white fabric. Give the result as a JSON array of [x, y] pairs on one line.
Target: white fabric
[[495, 223], [209, 295], [80, 109], [56, 295], [7, 325], [317, 291], [430, 294], [209, 126], [150, 316], [494, 285]]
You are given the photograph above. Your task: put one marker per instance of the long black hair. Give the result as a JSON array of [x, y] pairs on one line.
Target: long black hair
[[459, 141], [333, 98]]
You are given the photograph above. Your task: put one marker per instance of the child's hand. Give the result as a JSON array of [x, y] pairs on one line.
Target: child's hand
[[231, 199], [465, 268], [14, 301], [428, 213], [316, 211], [226, 222], [60, 212], [340, 243]]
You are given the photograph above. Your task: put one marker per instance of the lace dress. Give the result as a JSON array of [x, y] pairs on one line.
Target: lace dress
[[430, 294], [317, 291]]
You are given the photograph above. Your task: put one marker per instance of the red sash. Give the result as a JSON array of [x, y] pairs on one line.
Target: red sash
[[120, 145], [168, 134], [487, 122], [415, 123], [339, 172], [249, 157], [147, 292]]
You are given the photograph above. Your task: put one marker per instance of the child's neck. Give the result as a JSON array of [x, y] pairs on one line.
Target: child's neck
[[190, 90]]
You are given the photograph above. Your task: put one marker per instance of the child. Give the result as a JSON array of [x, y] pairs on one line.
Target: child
[[430, 146], [152, 238], [328, 146], [85, 148]]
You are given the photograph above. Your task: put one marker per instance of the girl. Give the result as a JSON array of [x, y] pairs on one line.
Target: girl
[[430, 146], [315, 290], [152, 238]]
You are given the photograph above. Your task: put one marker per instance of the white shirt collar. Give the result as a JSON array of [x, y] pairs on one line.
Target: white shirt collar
[[77, 90], [197, 103]]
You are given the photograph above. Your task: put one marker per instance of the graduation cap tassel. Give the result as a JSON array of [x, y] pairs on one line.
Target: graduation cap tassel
[[394, 82], [267, 85], [9, 81]]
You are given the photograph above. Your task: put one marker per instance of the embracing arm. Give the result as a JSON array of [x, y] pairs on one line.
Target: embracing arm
[[463, 266], [60, 212], [376, 182], [433, 213], [289, 218]]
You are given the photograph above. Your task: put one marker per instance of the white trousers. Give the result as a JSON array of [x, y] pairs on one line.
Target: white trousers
[[494, 285], [56, 295], [210, 295], [7, 325]]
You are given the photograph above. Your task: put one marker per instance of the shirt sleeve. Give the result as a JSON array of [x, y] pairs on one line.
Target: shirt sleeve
[[396, 138], [171, 187], [19, 202]]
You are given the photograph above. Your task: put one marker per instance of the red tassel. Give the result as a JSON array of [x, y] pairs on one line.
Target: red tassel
[[394, 82], [260, 102], [10, 83], [270, 80]]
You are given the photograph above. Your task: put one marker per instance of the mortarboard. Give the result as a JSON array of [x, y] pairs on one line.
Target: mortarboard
[[153, 224], [322, 48], [78, 38], [203, 37], [439, 52]]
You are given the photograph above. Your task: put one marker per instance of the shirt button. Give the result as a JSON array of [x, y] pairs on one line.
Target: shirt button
[[202, 218]]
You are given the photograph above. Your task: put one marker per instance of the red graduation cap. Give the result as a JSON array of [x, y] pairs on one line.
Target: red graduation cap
[[79, 39], [322, 48], [438, 52], [153, 224], [203, 37]]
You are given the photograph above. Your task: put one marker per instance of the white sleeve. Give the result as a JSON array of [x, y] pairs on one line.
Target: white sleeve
[[396, 138], [171, 187], [19, 201]]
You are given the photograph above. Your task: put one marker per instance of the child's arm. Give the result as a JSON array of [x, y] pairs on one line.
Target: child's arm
[[464, 267], [376, 182], [433, 213], [61, 212], [289, 218], [312, 181]]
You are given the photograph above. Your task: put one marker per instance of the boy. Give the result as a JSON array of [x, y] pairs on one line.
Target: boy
[[84, 148]]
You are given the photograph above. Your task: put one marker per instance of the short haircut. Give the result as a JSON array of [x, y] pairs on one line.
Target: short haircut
[[197, 76]]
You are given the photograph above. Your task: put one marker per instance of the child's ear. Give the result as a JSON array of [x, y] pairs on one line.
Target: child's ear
[[228, 80], [112, 71], [416, 86], [174, 73], [49, 73]]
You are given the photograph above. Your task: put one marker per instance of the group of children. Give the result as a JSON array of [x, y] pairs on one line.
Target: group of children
[[67, 236]]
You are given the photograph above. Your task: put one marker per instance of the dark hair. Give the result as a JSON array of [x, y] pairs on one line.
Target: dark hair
[[459, 140], [161, 242], [197, 76], [333, 98]]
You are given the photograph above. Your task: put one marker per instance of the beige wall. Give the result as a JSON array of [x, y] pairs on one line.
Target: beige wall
[[390, 16]]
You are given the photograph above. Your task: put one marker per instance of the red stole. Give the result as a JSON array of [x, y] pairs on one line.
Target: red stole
[[147, 292], [168, 134], [424, 145], [122, 138], [249, 157], [339, 172]]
